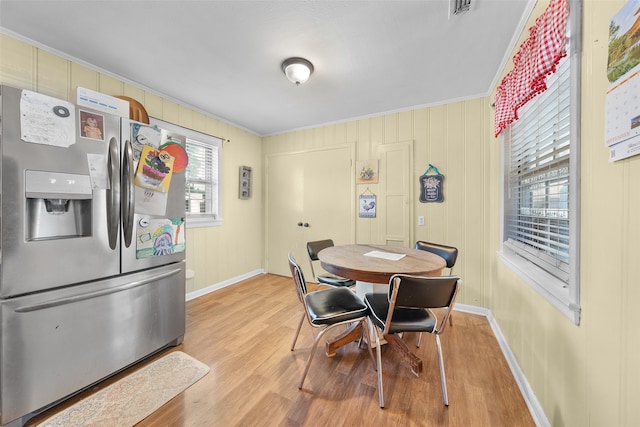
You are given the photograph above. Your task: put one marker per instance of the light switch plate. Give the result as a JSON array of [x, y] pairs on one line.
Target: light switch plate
[[420, 220]]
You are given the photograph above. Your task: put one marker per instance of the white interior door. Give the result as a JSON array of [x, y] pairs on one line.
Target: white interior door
[[396, 190], [309, 197], [284, 201], [329, 206]]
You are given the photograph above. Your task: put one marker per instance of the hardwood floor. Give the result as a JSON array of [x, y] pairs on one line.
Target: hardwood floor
[[244, 333]]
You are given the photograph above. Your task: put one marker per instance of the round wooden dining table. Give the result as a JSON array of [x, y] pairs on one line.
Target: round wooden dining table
[[377, 263], [372, 266]]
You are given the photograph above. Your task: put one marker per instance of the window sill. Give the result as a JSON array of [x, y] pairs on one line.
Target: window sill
[[549, 287], [205, 221]]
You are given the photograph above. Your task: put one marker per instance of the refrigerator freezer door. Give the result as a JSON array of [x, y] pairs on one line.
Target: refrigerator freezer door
[[55, 186], [58, 342], [157, 215]]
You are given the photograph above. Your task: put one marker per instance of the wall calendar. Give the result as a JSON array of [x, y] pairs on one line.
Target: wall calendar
[[622, 107]]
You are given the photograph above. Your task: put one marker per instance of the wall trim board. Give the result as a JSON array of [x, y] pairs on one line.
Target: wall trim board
[[216, 286], [539, 417]]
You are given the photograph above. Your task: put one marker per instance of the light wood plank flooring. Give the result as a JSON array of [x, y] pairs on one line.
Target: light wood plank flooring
[[244, 333]]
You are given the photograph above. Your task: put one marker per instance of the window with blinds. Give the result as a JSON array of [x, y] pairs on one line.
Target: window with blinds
[[202, 179], [537, 220], [202, 176], [541, 184]]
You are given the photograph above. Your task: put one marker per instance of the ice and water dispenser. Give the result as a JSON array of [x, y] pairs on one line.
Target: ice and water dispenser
[[58, 205]]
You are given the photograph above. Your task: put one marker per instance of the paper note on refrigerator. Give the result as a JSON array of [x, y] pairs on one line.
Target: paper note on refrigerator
[[142, 135], [155, 169], [46, 120], [160, 237], [98, 171], [150, 202]]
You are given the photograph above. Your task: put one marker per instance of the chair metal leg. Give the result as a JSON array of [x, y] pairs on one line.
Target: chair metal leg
[[420, 335], [313, 351], [379, 361], [315, 346], [366, 335], [442, 377], [295, 338]]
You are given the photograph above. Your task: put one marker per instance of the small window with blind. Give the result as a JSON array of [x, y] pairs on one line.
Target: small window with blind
[[202, 180], [540, 230]]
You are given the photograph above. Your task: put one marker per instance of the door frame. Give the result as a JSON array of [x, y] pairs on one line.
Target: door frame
[[406, 146]]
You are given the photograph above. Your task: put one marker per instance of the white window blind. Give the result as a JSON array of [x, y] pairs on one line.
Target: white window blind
[[202, 179], [541, 184], [203, 186], [537, 208]]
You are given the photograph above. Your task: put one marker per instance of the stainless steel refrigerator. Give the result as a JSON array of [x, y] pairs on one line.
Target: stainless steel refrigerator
[[92, 270]]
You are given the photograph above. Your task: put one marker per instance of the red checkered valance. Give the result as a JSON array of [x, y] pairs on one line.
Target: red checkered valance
[[535, 60]]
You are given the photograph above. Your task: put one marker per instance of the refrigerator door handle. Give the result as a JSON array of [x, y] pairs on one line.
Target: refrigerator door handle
[[113, 193], [68, 300], [127, 194]]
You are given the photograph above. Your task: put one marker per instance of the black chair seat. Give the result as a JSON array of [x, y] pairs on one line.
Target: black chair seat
[[339, 305], [313, 248], [407, 307], [325, 310], [336, 281], [404, 319]]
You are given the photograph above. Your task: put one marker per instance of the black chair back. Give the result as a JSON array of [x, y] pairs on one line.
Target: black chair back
[[408, 308], [298, 278], [449, 253], [423, 292], [314, 247]]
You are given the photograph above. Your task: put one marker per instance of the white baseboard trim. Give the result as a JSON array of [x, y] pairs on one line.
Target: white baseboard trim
[[539, 417], [529, 396], [471, 309], [223, 284]]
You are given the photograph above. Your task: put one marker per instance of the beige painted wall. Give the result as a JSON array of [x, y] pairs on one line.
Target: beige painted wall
[[215, 254], [452, 137], [586, 375]]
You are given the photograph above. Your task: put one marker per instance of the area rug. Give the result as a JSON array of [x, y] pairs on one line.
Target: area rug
[[133, 398]]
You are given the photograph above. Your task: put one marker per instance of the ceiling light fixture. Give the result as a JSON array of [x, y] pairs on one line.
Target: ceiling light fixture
[[297, 70]]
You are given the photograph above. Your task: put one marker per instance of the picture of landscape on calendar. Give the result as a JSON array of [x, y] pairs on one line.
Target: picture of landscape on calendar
[[624, 41]]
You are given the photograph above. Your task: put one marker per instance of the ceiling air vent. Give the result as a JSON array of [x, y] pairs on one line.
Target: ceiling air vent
[[460, 6]]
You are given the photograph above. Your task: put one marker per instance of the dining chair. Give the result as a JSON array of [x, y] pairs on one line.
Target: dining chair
[[327, 280], [408, 307], [448, 253], [327, 309]]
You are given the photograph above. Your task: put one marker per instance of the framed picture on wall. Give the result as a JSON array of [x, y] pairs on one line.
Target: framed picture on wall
[[367, 172], [367, 206], [244, 191]]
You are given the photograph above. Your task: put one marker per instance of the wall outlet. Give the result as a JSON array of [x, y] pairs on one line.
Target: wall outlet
[[420, 220]]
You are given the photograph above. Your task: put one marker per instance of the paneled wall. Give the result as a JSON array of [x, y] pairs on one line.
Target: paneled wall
[[215, 254], [586, 375], [454, 138]]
